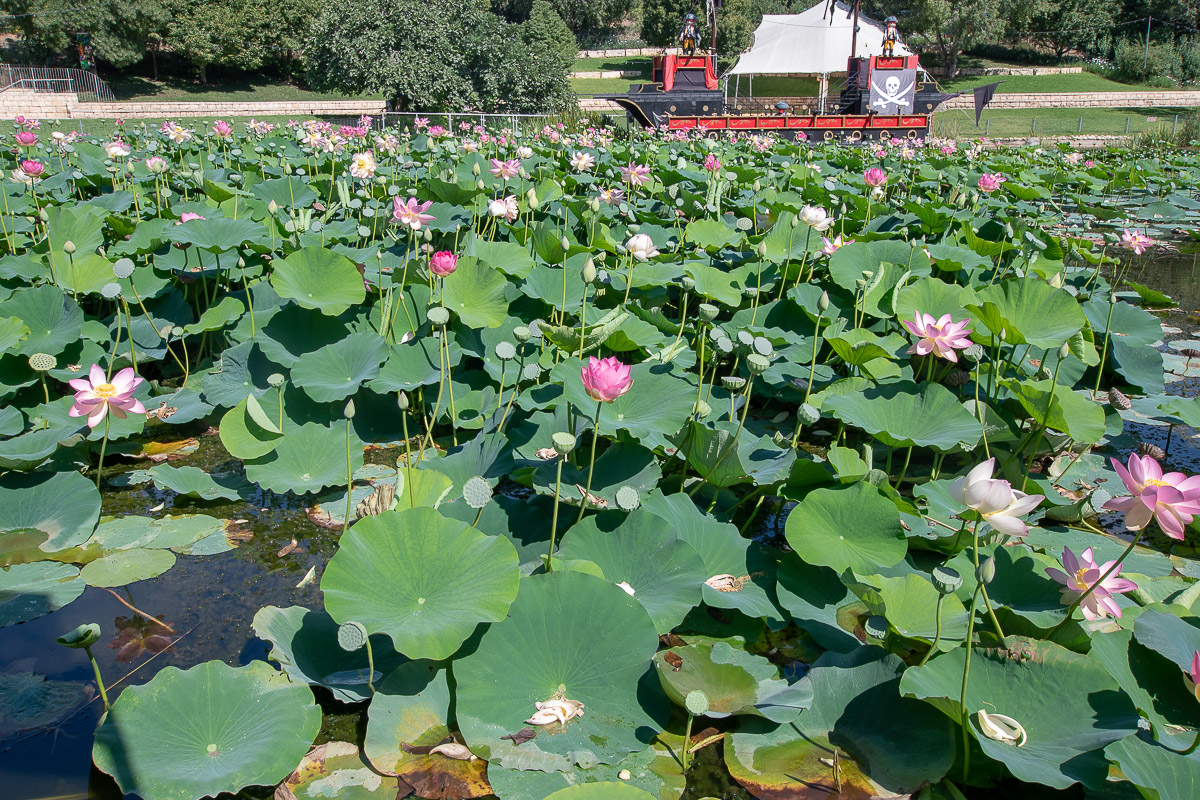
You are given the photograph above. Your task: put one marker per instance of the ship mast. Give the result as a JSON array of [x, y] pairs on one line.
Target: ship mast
[[712, 24], [854, 31]]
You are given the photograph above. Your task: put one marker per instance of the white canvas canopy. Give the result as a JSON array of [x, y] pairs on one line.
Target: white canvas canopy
[[810, 43]]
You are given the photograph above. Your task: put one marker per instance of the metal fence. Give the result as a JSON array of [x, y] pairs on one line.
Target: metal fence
[[455, 121], [86, 86]]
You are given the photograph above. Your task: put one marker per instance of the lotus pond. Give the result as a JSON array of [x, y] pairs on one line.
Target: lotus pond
[[454, 464]]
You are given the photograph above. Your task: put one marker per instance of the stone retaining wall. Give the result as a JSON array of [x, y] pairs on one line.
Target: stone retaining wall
[[1022, 71], [65, 106], [622, 73], [620, 52], [1190, 99]]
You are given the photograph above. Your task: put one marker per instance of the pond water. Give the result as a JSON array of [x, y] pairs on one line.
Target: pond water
[[209, 601]]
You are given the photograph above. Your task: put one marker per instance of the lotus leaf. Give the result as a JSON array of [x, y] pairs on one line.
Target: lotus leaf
[[903, 415], [27, 591], [29, 701], [306, 459], [335, 372], [63, 505], [336, 769], [1028, 312], [1160, 773], [734, 681], [320, 279], [852, 527], [476, 293], [127, 566]]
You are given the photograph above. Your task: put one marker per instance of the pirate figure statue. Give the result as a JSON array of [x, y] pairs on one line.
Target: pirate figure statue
[[889, 37], [688, 35]]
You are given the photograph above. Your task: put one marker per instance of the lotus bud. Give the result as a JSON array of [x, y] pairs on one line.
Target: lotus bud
[[532, 198], [708, 312], [986, 572], [1056, 280], [273, 207], [402, 401], [1003, 334], [43, 215], [69, 247], [349, 410], [563, 442], [566, 244], [701, 409], [480, 185], [946, 580], [588, 273], [594, 204], [757, 187], [762, 250], [506, 351], [823, 302], [795, 221], [428, 235], [438, 315], [475, 169]]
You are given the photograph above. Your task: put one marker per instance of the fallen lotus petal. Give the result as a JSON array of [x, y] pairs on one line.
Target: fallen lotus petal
[[1001, 728], [556, 710], [727, 583], [628, 589], [454, 750], [546, 453]]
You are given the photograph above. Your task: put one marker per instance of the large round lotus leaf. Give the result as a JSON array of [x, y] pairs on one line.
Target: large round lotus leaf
[[903, 415], [408, 715], [664, 572], [655, 769], [335, 372], [1158, 772], [28, 701], [336, 770], [475, 294], [217, 235], [54, 320], [724, 552], [195, 482], [1171, 637], [424, 580], [934, 297], [574, 636], [414, 363], [1028, 311], [63, 505], [305, 644], [735, 682], [307, 459], [909, 603], [27, 591], [1068, 704], [889, 745], [846, 266], [318, 278], [127, 566], [610, 790], [210, 729], [852, 527]]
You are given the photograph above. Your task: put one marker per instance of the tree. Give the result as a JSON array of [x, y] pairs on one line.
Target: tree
[[437, 54], [579, 15], [1080, 25], [119, 29], [951, 26], [736, 23]]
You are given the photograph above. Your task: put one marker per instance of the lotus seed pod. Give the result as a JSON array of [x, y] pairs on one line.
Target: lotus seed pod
[[634, 227], [178, 332], [808, 414], [750, 292], [42, 362], [733, 383], [974, 352], [349, 410], [275, 380], [588, 273], [687, 283], [696, 703], [628, 498], [946, 580], [860, 284], [763, 346], [123, 268], [506, 351], [1118, 400], [531, 372], [757, 364], [477, 492], [438, 315], [823, 302], [69, 247], [351, 636], [402, 401], [84, 636], [563, 442], [701, 409], [745, 339], [708, 312], [876, 627], [725, 345], [1152, 450], [986, 572], [110, 291], [535, 327], [745, 224], [1064, 351], [521, 333]]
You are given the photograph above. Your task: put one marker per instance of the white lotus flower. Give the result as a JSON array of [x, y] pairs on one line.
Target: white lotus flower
[[641, 247], [556, 710], [1000, 505], [524, 152], [582, 162], [816, 218]]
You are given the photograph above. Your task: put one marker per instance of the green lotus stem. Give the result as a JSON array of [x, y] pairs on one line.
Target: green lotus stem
[[937, 635], [803, 259], [46, 392], [370, 664], [445, 343], [904, 469], [682, 323], [249, 302], [733, 442], [437, 406], [687, 741], [129, 322], [964, 715], [1116, 564], [583, 318], [74, 278], [583, 503], [987, 601], [349, 480], [1104, 352], [103, 445], [554, 516], [628, 280], [99, 680], [407, 459]]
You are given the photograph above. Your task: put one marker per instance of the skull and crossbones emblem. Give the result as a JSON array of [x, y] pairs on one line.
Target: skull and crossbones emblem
[[891, 93]]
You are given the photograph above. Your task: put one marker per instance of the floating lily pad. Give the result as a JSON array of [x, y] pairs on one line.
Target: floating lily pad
[[127, 566], [305, 644], [424, 580], [566, 649], [734, 681], [195, 482], [27, 591], [408, 715], [29, 701], [609, 790], [219, 728], [852, 527], [64, 505], [336, 770]]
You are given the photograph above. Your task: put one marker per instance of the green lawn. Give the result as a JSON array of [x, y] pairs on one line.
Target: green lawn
[[134, 88], [618, 62], [1073, 82], [1053, 121]]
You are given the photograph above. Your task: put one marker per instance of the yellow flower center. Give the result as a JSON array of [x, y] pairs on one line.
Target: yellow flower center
[[105, 390], [1156, 482], [1079, 576]]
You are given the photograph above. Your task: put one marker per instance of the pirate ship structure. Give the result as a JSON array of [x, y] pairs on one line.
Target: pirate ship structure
[[886, 93]]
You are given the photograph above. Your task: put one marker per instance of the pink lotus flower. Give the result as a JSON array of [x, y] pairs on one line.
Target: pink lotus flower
[[1173, 499], [1082, 573], [27, 123], [875, 177], [612, 197], [187, 216], [505, 170], [33, 169], [635, 174], [712, 163], [420, 122], [1135, 241], [442, 263], [1000, 505], [605, 380], [411, 213], [156, 165], [94, 395], [222, 129], [1193, 678], [26, 138], [831, 246], [505, 207], [990, 182], [941, 337]]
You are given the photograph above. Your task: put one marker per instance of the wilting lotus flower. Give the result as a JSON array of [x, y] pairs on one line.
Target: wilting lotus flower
[[1137, 242], [582, 162], [362, 166], [831, 246], [1000, 505], [990, 182], [26, 138], [605, 380], [506, 207], [505, 170], [1082, 573], [816, 218], [635, 174], [641, 247], [940, 337], [612, 197], [875, 177], [222, 129], [187, 216], [442, 263], [1173, 499], [555, 710], [411, 213], [712, 163], [94, 395], [524, 152], [156, 165]]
